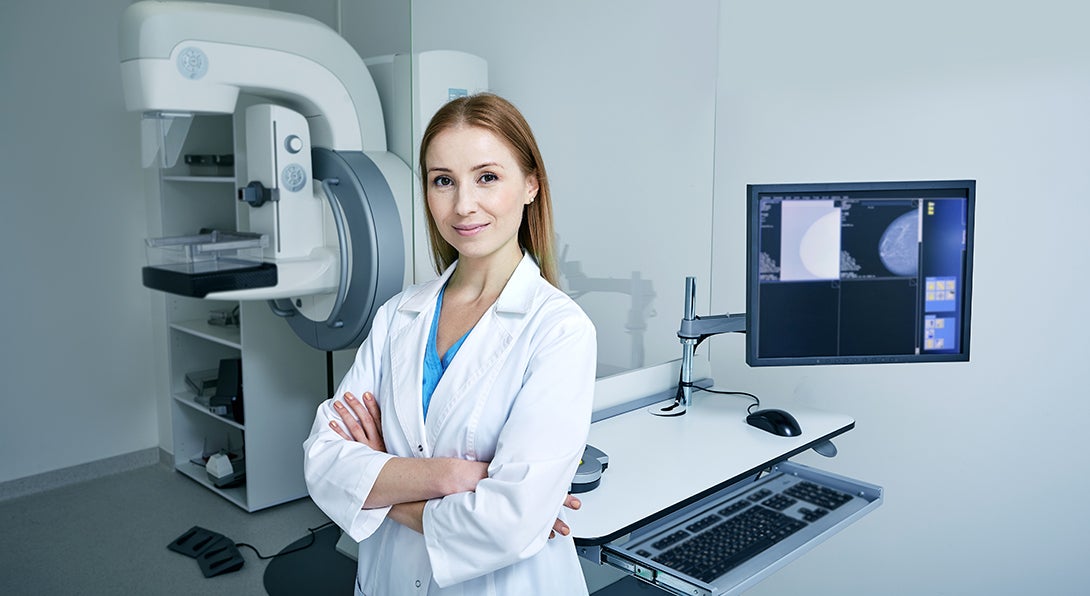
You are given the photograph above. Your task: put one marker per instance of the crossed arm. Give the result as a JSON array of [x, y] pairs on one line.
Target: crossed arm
[[407, 483]]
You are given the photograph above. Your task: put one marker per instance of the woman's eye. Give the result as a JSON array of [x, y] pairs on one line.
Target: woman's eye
[[442, 181], [486, 178]]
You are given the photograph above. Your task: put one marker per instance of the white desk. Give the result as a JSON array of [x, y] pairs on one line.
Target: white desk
[[658, 465]]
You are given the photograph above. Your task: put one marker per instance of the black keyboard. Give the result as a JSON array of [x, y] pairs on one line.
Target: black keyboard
[[730, 544], [710, 547]]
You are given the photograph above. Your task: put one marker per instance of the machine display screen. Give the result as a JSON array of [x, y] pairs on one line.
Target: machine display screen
[[859, 272]]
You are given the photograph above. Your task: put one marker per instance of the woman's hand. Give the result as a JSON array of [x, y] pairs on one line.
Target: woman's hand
[[362, 420], [411, 515], [559, 527], [402, 479]]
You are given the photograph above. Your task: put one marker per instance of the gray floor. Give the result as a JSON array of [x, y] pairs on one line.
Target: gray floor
[[109, 536]]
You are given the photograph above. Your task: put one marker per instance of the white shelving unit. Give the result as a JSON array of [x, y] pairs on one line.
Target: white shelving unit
[[283, 379]]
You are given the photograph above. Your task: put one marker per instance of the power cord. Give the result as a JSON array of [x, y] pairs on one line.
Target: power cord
[[287, 552], [756, 400], [682, 384]]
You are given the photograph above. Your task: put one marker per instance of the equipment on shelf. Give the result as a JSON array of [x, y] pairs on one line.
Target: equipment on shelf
[[227, 400], [225, 470]]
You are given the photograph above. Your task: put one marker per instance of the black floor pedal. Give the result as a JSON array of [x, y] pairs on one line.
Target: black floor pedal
[[195, 541], [215, 553], [221, 556]]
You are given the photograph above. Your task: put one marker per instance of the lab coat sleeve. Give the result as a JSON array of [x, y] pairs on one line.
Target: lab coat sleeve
[[340, 473], [509, 516]]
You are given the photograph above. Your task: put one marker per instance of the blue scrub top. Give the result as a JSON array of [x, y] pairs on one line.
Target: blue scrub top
[[434, 366]]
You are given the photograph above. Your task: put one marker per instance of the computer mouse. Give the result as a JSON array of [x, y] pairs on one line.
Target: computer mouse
[[776, 422]]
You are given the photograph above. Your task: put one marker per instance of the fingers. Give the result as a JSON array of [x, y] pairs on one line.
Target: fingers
[[559, 527], [351, 418], [348, 422], [360, 420], [372, 421], [371, 404], [340, 431], [363, 413]]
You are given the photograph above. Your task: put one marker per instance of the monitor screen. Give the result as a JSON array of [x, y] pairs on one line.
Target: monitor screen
[[864, 272]]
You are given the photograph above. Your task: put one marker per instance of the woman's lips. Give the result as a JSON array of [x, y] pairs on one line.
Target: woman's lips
[[469, 229]]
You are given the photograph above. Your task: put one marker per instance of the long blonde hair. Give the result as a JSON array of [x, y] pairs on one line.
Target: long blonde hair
[[498, 116]]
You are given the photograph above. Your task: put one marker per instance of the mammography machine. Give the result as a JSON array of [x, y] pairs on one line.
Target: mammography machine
[[327, 232]]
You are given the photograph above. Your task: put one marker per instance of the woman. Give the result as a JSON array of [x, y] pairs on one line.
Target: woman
[[452, 473]]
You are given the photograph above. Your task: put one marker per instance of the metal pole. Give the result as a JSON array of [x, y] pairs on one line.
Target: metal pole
[[688, 346]]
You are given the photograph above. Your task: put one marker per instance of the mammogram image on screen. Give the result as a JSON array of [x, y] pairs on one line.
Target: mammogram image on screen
[[809, 240], [880, 239]]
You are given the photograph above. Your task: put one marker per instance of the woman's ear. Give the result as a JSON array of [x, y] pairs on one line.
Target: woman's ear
[[532, 188]]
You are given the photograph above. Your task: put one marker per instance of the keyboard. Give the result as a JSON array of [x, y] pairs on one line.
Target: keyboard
[[726, 537]]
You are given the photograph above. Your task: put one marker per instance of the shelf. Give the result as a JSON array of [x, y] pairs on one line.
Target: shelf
[[281, 374], [228, 336], [206, 179], [186, 399], [236, 495]]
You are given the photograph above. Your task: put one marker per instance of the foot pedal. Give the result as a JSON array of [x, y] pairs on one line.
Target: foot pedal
[[220, 557], [215, 553], [194, 542]]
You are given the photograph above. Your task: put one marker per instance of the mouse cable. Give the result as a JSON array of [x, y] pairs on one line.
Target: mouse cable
[[756, 400], [287, 552]]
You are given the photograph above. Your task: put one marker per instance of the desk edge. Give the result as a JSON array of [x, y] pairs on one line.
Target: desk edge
[[603, 540]]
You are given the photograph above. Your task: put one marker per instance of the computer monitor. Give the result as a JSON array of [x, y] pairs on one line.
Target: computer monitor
[[863, 272]]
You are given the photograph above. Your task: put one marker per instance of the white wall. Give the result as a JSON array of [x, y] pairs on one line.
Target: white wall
[[981, 461], [76, 368], [372, 27], [621, 100]]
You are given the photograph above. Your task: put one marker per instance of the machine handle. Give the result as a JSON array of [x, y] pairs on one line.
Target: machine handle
[[334, 319], [279, 311]]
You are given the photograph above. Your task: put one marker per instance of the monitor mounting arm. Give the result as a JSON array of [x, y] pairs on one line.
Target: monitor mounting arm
[[694, 330]]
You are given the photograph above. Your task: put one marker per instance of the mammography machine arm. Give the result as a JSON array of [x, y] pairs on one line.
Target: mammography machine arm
[[315, 142], [198, 57]]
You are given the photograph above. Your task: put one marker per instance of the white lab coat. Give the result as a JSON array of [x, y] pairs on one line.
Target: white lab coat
[[518, 395]]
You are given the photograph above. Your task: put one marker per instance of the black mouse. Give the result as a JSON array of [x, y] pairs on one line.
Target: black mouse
[[776, 422]]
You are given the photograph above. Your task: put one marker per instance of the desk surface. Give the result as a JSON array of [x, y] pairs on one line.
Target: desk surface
[[658, 465]]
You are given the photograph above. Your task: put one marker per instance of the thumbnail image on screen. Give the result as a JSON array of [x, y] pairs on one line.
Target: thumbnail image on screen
[[863, 272]]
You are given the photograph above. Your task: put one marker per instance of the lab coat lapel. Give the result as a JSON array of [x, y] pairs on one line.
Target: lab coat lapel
[[407, 346], [468, 378], [483, 352]]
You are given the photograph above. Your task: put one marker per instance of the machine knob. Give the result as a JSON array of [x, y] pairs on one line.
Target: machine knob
[[293, 144], [192, 63], [255, 194], [293, 177]]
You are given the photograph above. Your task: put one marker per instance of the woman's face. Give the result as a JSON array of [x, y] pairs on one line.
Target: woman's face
[[476, 192]]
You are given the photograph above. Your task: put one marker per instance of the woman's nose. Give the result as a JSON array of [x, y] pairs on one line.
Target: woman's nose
[[465, 201]]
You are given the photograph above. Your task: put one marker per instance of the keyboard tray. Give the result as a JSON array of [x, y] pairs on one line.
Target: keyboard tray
[[820, 504]]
